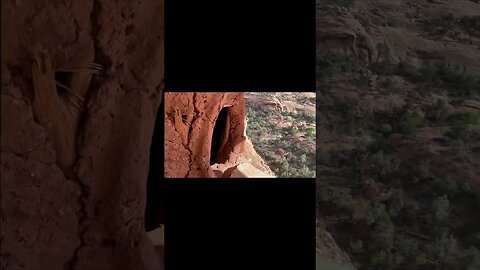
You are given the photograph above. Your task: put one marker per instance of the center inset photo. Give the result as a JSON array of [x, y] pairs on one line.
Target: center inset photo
[[239, 134]]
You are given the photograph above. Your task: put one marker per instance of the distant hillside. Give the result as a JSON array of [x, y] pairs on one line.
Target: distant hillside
[[398, 117], [282, 129]]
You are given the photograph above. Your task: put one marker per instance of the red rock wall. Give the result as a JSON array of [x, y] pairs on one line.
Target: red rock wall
[[91, 217], [192, 159]]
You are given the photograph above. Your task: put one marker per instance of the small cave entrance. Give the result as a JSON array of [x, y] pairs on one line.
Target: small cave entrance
[[220, 136], [155, 206]]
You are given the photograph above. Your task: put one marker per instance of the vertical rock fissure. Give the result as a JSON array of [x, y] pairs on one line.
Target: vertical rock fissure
[[188, 147], [99, 57], [99, 54]]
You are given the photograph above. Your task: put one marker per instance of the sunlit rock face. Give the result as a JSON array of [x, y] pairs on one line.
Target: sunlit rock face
[[205, 136]]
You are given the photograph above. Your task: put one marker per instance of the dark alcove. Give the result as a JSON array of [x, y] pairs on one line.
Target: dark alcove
[[219, 137], [64, 78], [155, 208]]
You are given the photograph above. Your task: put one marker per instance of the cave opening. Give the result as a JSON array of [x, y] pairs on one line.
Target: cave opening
[[155, 193], [219, 136]]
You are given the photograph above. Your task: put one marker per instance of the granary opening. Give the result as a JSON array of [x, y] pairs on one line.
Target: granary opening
[[220, 136], [155, 206]]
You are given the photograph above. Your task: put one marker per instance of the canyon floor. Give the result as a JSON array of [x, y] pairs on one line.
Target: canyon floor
[[398, 117], [282, 129]]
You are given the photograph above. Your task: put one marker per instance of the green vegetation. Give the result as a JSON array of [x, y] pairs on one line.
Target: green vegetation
[[428, 78], [388, 201], [437, 114], [288, 150], [463, 118], [328, 64], [405, 212], [451, 26]]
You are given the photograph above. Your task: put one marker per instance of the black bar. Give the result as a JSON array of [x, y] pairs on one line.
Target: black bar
[[239, 46], [240, 224]]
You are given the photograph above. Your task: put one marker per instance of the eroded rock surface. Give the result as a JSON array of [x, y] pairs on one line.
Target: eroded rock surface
[[90, 217], [205, 135]]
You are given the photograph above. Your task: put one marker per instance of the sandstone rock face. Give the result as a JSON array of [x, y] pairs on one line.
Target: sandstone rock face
[[345, 34], [205, 135], [91, 215], [245, 169], [327, 249]]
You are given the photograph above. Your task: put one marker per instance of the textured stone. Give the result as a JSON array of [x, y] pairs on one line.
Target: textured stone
[[93, 218], [205, 135]]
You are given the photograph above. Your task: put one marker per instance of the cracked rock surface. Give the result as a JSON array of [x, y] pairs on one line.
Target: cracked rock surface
[[197, 114], [91, 218]]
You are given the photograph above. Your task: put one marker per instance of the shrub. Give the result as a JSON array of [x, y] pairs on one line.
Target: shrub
[[405, 246], [396, 202], [471, 24], [385, 128], [330, 63], [309, 118], [457, 81], [449, 25], [438, 113], [356, 246], [310, 131], [463, 118], [440, 206], [422, 170], [388, 83], [340, 197], [382, 259], [453, 78], [461, 149], [384, 164], [445, 186], [410, 124]]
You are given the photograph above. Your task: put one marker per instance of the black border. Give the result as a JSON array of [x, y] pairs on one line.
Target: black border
[[243, 46]]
